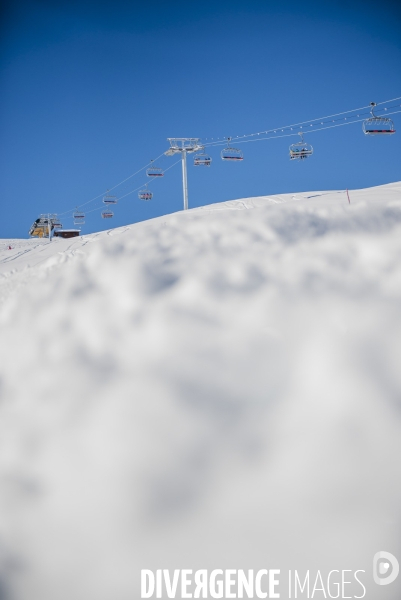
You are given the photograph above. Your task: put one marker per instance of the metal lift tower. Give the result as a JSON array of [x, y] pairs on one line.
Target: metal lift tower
[[183, 145]]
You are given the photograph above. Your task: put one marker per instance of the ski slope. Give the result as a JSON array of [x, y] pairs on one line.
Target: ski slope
[[219, 388]]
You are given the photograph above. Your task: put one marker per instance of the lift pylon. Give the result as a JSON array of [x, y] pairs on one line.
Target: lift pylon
[[184, 145]]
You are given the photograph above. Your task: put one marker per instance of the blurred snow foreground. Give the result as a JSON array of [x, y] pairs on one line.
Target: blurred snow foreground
[[219, 388]]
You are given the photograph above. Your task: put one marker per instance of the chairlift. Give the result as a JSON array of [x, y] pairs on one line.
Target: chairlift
[[300, 150], [202, 159], [107, 214], [79, 217], [154, 171], [110, 199], [40, 227], [377, 125], [145, 194], [230, 153]]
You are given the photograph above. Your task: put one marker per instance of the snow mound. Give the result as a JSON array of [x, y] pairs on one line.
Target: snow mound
[[219, 388]]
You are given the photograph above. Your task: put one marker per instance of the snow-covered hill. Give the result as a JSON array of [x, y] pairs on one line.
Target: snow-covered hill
[[219, 388]]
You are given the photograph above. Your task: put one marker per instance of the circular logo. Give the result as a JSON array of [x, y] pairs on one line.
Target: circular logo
[[385, 568]]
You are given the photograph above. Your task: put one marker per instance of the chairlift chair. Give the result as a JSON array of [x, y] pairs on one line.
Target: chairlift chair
[[110, 199], [145, 194], [107, 214], [202, 159], [377, 125], [230, 153], [154, 171], [79, 217], [300, 150]]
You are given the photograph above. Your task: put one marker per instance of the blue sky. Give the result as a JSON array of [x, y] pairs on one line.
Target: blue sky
[[91, 91]]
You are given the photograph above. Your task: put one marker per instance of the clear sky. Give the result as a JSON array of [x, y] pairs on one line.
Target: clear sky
[[91, 91]]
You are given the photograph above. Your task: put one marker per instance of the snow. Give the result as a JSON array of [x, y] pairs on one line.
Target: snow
[[218, 388]]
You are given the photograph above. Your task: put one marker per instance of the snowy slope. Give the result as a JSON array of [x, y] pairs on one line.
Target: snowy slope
[[219, 388]]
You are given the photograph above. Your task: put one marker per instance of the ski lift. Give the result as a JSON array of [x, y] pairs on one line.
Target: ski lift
[[145, 194], [79, 217], [40, 227], [202, 159], [377, 125], [57, 223], [154, 171], [231, 153], [107, 214], [300, 150], [109, 199]]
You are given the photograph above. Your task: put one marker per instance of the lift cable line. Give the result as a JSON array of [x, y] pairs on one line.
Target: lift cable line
[[97, 208], [141, 186], [355, 110], [306, 132], [241, 139], [114, 187], [386, 101]]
